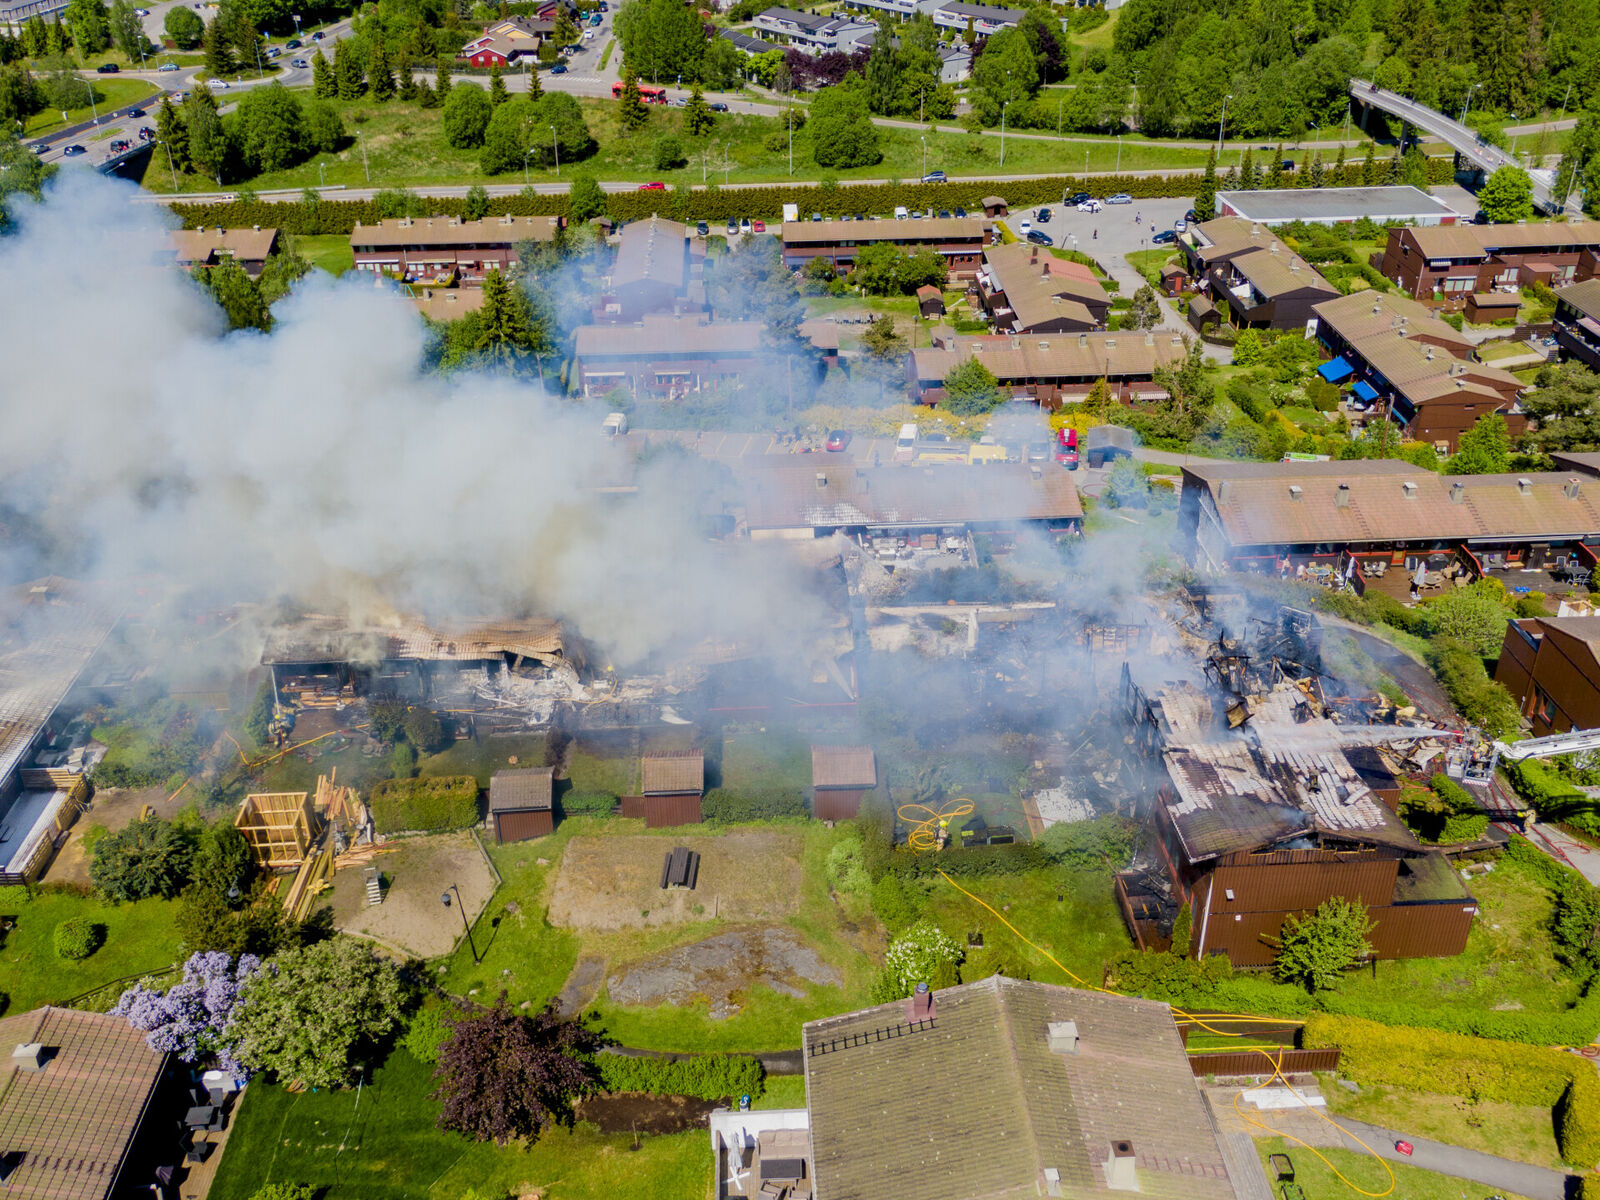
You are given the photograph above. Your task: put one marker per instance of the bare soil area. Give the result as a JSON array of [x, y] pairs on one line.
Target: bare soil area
[[114, 808], [631, 1112], [416, 872], [611, 883], [721, 969]]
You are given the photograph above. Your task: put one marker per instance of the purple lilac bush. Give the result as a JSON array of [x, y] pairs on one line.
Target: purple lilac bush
[[193, 1018]]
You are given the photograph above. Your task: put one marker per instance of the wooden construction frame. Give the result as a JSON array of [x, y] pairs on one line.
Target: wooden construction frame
[[278, 826]]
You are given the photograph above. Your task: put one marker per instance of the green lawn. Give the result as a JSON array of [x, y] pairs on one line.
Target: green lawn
[[782, 1091], [1149, 262], [1319, 1182], [329, 251], [1524, 1132], [139, 938], [405, 147], [109, 93], [770, 757], [382, 1142]]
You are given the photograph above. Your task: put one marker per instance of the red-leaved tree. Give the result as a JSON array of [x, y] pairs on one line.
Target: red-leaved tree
[[503, 1075]]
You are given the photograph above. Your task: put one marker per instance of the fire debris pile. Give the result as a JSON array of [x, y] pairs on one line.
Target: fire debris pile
[[1270, 796]]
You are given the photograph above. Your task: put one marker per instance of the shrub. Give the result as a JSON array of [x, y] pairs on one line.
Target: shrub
[[1480, 699], [726, 806], [705, 1076], [892, 904], [845, 870], [425, 805], [588, 804], [971, 861], [427, 1031], [922, 954], [668, 152], [77, 938], [285, 1191]]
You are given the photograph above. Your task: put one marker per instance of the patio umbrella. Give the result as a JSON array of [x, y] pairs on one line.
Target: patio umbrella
[[1421, 577]]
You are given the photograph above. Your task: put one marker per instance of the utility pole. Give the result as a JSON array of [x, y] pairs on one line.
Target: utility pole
[[1564, 100], [556, 146], [366, 170], [1003, 108], [1222, 123]]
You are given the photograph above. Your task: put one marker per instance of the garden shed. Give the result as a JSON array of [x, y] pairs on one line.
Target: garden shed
[[995, 206], [840, 776], [671, 784], [520, 804], [278, 826]]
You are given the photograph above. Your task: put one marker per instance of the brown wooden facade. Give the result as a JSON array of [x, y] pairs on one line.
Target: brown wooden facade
[[1552, 669], [518, 825], [665, 811], [836, 804]]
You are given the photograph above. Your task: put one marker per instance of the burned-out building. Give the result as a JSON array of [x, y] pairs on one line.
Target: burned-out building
[[1266, 806]]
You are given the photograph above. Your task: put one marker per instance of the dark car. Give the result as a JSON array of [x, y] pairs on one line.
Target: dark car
[[292, 44], [146, 134], [719, 106], [120, 145], [1190, 217], [944, 214], [1044, 216], [1039, 238], [1287, 164], [1075, 199], [318, 36], [107, 69], [702, 228], [816, 216], [935, 177], [838, 439], [136, 112], [1164, 237], [1038, 452], [961, 212], [72, 151], [559, 69]]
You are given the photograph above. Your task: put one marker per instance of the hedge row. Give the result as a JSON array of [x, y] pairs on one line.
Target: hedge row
[[425, 805], [1453, 1065], [1575, 1026], [1016, 859], [705, 1077], [588, 804], [726, 806]]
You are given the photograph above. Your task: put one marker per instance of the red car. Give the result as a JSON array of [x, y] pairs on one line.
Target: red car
[[652, 187], [1067, 448], [1403, 1147], [838, 439], [758, 227]]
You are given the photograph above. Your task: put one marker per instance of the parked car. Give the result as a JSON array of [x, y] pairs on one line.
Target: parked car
[[816, 216], [935, 177], [292, 44], [1191, 216], [136, 112], [588, 35], [1039, 238], [1405, 1148], [702, 228], [1165, 237], [1120, 198], [1026, 227], [167, 66], [1037, 452], [944, 214], [1044, 216], [1089, 206], [758, 226], [146, 134], [1067, 447], [120, 145], [318, 36], [107, 69], [72, 151], [559, 69], [274, 52], [300, 64], [1180, 225], [838, 439], [220, 85], [1075, 199], [961, 212], [733, 226], [656, 186], [744, 225], [916, 214], [718, 106]]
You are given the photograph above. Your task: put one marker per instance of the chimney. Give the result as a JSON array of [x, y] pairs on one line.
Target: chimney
[[1296, 491], [1150, 339], [29, 1056], [1341, 498], [1430, 353], [822, 479], [1063, 1037], [1120, 1173], [1524, 486], [1223, 489], [1458, 492], [1034, 257], [1083, 339], [1571, 489], [1377, 306], [1273, 248], [1294, 264], [920, 1006], [1410, 489]]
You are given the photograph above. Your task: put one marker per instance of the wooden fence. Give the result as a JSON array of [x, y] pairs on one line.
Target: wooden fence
[[1261, 1062]]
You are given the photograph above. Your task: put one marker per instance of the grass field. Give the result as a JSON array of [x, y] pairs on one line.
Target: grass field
[[329, 251], [1319, 1182], [773, 757], [1524, 1132], [406, 148], [382, 1142], [139, 938], [1149, 262], [109, 93]]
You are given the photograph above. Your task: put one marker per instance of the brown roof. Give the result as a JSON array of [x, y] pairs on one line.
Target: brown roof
[[822, 334], [207, 245], [1029, 356], [1256, 506], [1280, 272], [395, 232], [526, 788], [673, 773], [1227, 236], [1363, 313], [1581, 629], [843, 767], [74, 1121], [1035, 292], [319, 638], [978, 1105], [1585, 297], [1568, 460], [993, 202], [929, 292], [653, 251], [862, 233], [1496, 300], [447, 304], [1475, 241], [789, 497], [667, 336]]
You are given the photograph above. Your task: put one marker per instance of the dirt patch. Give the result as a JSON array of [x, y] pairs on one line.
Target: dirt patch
[[114, 808], [721, 969], [411, 915], [579, 990], [610, 883], [631, 1112]]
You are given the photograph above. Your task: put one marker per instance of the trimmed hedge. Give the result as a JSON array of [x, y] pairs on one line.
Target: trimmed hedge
[[705, 1077], [726, 806], [1016, 859], [1455, 1065], [425, 805], [588, 804]]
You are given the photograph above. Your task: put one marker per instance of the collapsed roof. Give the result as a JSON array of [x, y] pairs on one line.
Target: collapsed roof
[[323, 638]]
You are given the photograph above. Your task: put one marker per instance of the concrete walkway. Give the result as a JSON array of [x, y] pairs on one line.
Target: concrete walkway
[[1567, 850]]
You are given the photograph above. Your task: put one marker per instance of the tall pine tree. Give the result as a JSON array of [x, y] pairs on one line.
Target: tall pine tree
[[1205, 196], [323, 85], [379, 77], [347, 78], [633, 113], [535, 86], [497, 87], [697, 117], [218, 49]]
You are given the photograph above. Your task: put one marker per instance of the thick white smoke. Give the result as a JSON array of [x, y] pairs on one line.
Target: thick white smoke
[[319, 462]]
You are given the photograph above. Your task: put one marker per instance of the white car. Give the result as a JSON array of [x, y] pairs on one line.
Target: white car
[[1025, 228], [220, 85], [1090, 206], [588, 35], [1179, 225]]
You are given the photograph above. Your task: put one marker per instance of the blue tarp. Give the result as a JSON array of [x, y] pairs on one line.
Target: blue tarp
[[1366, 391], [1335, 369]]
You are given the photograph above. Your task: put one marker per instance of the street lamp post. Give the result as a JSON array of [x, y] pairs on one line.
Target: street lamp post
[[525, 154], [1466, 105], [260, 74], [726, 147], [789, 119], [171, 166], [322, 174], [1222, 123], [924, 140], [1119, 154], [1003, 108], [555, 146], [365, 169], [295, 17], [444, 899]]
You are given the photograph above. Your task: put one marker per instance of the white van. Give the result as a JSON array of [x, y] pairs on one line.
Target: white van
[[905, 446], [791, 212], [616, 424], [901, 212]]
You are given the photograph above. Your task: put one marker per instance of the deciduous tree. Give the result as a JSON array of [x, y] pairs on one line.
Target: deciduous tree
[[970, 389], [1485, 449], [586, 200], [184, 26], [192, 1019], [1316, 950], [147, 857], [466, 114], [1507, 195]]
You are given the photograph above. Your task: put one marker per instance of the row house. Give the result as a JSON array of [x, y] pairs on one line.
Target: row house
[[1052, 369], [962, 241], [1024, 291], [665, 357], [1404, 359], [1577, 323], [659, 268], [441, 249], [1454, 261], [955, 15], [207, 247], [1552, 666], [1251, 277], [807, 30]]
